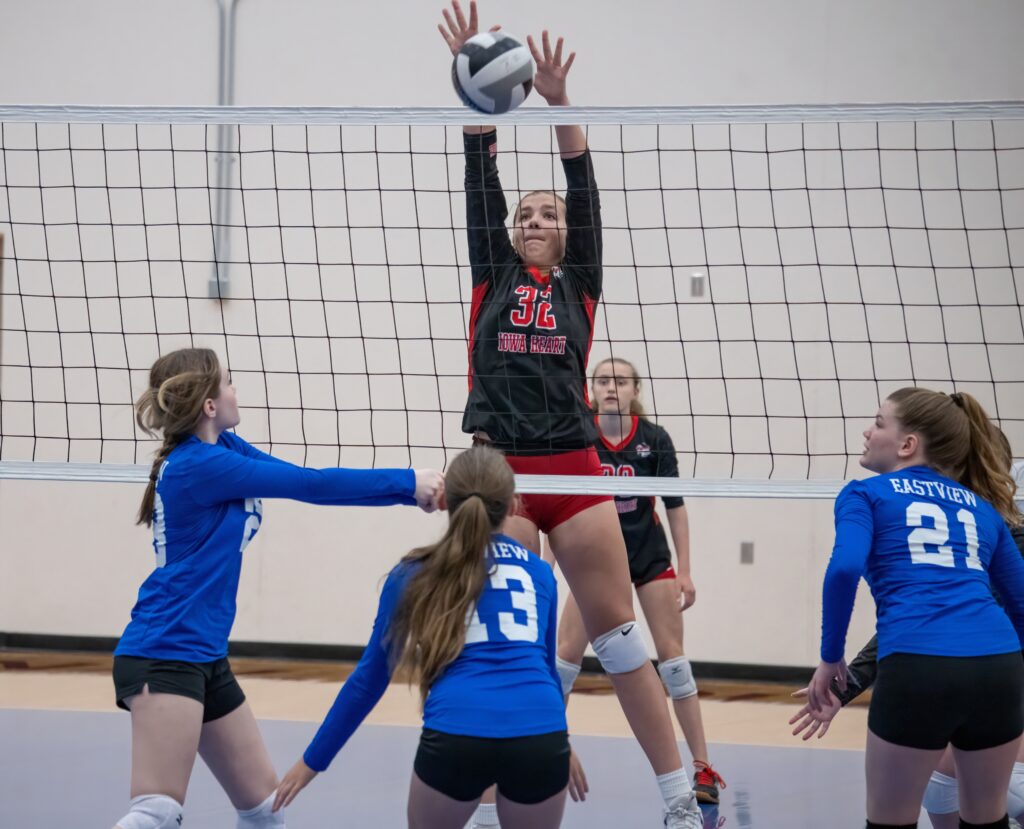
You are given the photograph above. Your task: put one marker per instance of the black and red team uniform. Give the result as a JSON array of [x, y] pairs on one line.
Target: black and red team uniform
[[647, 451], [530, 335]]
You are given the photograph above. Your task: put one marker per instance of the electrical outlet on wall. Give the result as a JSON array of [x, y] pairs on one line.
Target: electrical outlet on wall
[[746, 552]]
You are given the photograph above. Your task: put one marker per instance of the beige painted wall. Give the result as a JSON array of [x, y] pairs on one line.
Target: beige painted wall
[[70, 561]]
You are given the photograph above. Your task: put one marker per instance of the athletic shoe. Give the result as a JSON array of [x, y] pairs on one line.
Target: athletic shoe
[[685, 814], [705, 784]]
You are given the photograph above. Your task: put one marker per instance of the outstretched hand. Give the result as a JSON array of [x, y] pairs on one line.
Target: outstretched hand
[[813, 722], [297, 778], [551, 71], [456, 30]]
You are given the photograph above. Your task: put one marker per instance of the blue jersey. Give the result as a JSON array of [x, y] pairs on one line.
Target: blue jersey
[[503, 683], [206, 510], [928, 547]]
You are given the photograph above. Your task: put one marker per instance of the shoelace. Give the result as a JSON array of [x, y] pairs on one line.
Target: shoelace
[[707, 776]]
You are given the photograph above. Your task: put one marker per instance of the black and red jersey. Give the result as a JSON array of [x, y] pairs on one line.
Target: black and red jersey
[[529, 334], [647, 451]]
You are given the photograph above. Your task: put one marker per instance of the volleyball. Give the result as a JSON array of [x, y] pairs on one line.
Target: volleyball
[[493, 72]]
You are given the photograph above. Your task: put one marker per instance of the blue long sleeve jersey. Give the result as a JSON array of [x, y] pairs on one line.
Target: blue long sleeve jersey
[[207, 509], [503, 683], [928, 548]]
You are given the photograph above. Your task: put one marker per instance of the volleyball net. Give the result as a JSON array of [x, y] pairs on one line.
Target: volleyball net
[[773, 272]]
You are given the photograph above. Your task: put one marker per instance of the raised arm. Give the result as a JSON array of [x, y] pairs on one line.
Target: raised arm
[[550, 85], [486, 209], [583, 246]]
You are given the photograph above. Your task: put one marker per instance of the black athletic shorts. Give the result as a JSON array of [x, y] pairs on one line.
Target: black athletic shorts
[[525, 769], [973, 702], [211, 683]]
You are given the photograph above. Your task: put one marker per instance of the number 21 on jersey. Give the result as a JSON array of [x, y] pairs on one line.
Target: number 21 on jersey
[[938, 534], [524, 598]]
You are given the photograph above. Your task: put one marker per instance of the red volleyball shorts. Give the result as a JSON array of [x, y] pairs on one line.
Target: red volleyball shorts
[[548, 511]]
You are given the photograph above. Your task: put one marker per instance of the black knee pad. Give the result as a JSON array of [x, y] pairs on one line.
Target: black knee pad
[[1002, 823]]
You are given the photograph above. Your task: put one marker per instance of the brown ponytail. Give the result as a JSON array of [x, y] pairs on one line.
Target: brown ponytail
[[985, 470], [179, 384], [957, 438], [428, 630]]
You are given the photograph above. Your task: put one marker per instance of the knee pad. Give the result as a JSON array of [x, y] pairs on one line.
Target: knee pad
[[941, 797], [567, 673], [261, 817], [1015, 796], [678, 677], [621, 650], [152, 811]]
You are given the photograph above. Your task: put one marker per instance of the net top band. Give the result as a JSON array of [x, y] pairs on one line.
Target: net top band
[[754, 114]]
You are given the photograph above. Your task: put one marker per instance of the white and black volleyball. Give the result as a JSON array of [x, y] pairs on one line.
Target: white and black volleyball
[[493, 72]]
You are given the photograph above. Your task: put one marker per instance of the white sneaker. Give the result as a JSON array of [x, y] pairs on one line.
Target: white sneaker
[[686, 814]]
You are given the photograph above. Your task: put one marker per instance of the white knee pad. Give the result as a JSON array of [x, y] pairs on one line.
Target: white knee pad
[[678, 677], [567, 673], [621, 650], [1015, 796], [941, 797], [261, 817], [152, 811]]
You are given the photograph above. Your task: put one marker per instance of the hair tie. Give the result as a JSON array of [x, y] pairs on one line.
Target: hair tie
[[153, 476], [477, 494], [957, 398]]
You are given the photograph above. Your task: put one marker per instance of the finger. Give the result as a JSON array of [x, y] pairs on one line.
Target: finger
[[558, 51], [810, 731], [568, 63], [801, 694], [495, 27], [533, 49], [278, 799], [447, 37], [546, 41], [824, 729], [472, 15], [452, 26], [459, 16]]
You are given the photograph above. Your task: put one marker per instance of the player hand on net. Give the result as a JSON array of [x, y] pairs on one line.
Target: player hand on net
[[819, 692], [292, 783], [814, 722], [687, 592], [578, 787], [458, 30], [429, 489], [550, 78]]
